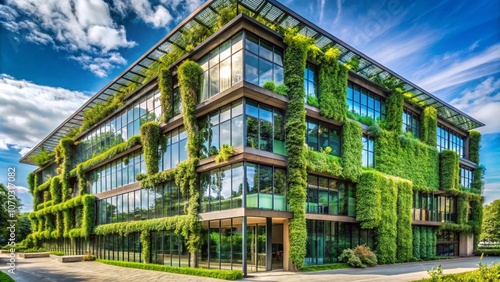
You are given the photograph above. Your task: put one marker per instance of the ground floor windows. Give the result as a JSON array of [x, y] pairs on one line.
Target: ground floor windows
[[447, 243], [330, 196], [167, 248], [327, 239]]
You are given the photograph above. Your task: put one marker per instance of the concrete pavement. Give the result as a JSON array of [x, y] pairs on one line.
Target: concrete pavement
[[47, 270]]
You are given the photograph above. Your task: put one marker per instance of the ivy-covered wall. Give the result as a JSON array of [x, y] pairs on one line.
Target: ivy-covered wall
[[295, 57], [332, 82], [406, 157], [428, 126], [474, 145], [394, 115], [449, 171]]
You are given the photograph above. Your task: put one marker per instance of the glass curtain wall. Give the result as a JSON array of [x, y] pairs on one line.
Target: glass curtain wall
[[368, 156], [363, 102], [428, 207], [321, 135], [466, 177], [327, 239], [447, 139], [174, 149], [330, 196], [119, 129], [116, 173], [411, 123], [265, 127]]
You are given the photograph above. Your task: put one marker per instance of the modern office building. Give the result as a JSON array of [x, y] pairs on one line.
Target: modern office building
[[249, 138]]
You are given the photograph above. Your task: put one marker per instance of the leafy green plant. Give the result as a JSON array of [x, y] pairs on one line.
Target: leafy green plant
[[57, 253], [42, 158], [269, 85], [224, 154], [474, 145], [282, 90], [449, 170], [366, 255], [320, 267], [348, 256], [312, 101], [150, 139], [428, 126]]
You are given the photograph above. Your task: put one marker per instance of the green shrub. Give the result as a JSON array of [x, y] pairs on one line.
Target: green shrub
[[350, 258], [312, 101], [224, 154], [269, 85], [474, 145], [449, 171], [319, 267], [428, 126], [487, 252], [211, 273], [366, 256], [57, 253], [483, 274], [282, 90]]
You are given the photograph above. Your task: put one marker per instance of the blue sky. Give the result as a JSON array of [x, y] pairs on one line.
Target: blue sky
[[55, 54]]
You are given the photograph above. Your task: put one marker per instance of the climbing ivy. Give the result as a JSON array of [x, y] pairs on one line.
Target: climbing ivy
[[166, 93], [352, 148], [474, 145], [386, 233], [150, 139], [402, 156], [295, 57], [428, 126], [189, 74], [449, 169], [82, 181], [416, 242], [394, 116], [323, 162], [31, 182], [65, 149], [55, 189], [332, 86], [368, 200], [404, 231], [477, 180]]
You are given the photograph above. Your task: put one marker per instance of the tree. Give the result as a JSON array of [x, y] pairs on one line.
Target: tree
[[9, 210], [491, 223]]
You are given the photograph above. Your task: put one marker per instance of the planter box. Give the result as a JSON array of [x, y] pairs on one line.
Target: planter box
[[34, 255], [64, 259]]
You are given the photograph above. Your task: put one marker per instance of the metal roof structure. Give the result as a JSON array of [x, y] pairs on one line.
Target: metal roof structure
[[276, 13]]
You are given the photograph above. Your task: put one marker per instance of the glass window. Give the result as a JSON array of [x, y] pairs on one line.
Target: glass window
[[321, 135], [266, 187], [411, 123], [263, 61], [447, 139], [368, 151], [311, 96], [363, 102], [466, 177]]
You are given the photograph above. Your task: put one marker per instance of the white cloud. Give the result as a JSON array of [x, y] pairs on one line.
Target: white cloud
[[79, 27], [30, 111], [483, 102], [22, 190], [100, 66], [3, 145], [463, 70], [491, 192]]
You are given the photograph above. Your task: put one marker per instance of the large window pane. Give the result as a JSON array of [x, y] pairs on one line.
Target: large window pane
[[251, 68], [252, 180]]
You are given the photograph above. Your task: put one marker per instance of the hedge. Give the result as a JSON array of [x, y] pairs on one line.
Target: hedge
[[320, 267], [211, 273]]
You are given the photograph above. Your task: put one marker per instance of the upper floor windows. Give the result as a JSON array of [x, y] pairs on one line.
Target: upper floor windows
[[174, 151], [263, 61], [265, 128], [310, 82], [368, 157], [465, 177], [330, 196], [120, 128], [364, 102], [321, 135], [223, 126], [222, 67], [245, 56], [411, 123], [449, 140]]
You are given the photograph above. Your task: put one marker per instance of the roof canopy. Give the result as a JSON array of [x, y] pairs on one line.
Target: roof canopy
[[275, 12]]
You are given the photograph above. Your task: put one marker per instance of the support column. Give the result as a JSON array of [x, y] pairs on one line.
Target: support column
[[286, 245], [244, 245], [269, 243]]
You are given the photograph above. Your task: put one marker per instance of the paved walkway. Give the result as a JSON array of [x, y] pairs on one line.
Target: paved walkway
[[393, 272], [47, 270]]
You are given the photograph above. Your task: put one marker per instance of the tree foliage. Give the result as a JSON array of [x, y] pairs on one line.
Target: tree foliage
[[491, 222]]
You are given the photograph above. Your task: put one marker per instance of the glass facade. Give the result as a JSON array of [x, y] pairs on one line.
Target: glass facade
[[168, 248], [363, 102], [428, 207], [223, 126], [222, 188], [174, 148], [466, 177], [125, 125], [265, 187], [310, 82], [368, 157], [447, 243], [265, 128], [222, 67], [327, 239], [321, 135], [411, 123], [447, 139], [116, 247], [263, 61], [330, 196], [116, 173], [142, 204]]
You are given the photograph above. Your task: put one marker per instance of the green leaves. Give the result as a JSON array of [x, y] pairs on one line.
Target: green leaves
[[474, 145], [352, 148], [449, 171], [150, 139], [332, 86], [428, 126]]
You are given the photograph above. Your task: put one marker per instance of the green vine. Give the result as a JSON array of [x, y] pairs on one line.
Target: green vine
[[449, 178], [474, 145], [82, 181], [404, 231], [166, 93], [294, 66], [332, 86], [150, 139], [226, 151], [55, 189], [352, 148], [394, 104], [428, 126], [42, 158]]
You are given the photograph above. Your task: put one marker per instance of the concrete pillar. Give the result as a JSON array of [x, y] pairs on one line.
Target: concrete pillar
[[466, 245], [269, 243], [244, 245], [286, 245]]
